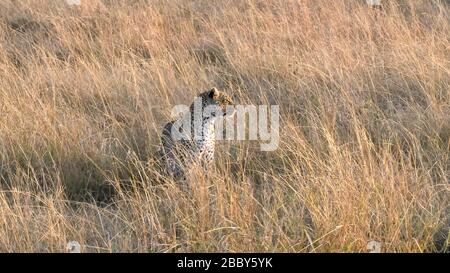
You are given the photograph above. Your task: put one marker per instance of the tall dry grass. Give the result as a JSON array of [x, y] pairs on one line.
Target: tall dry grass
[[365, 125]]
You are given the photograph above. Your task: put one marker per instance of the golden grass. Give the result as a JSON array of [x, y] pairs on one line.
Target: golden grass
[[365, 125]]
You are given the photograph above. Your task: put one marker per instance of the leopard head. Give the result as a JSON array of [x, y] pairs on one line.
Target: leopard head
[[215, 97]]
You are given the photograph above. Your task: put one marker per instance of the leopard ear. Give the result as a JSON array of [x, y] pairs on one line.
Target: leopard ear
[[213, 93]]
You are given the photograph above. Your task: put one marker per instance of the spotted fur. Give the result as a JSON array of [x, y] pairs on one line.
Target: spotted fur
[[180, 155]]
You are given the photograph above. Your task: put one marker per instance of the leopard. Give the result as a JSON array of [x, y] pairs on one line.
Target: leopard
[[195, 144]]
